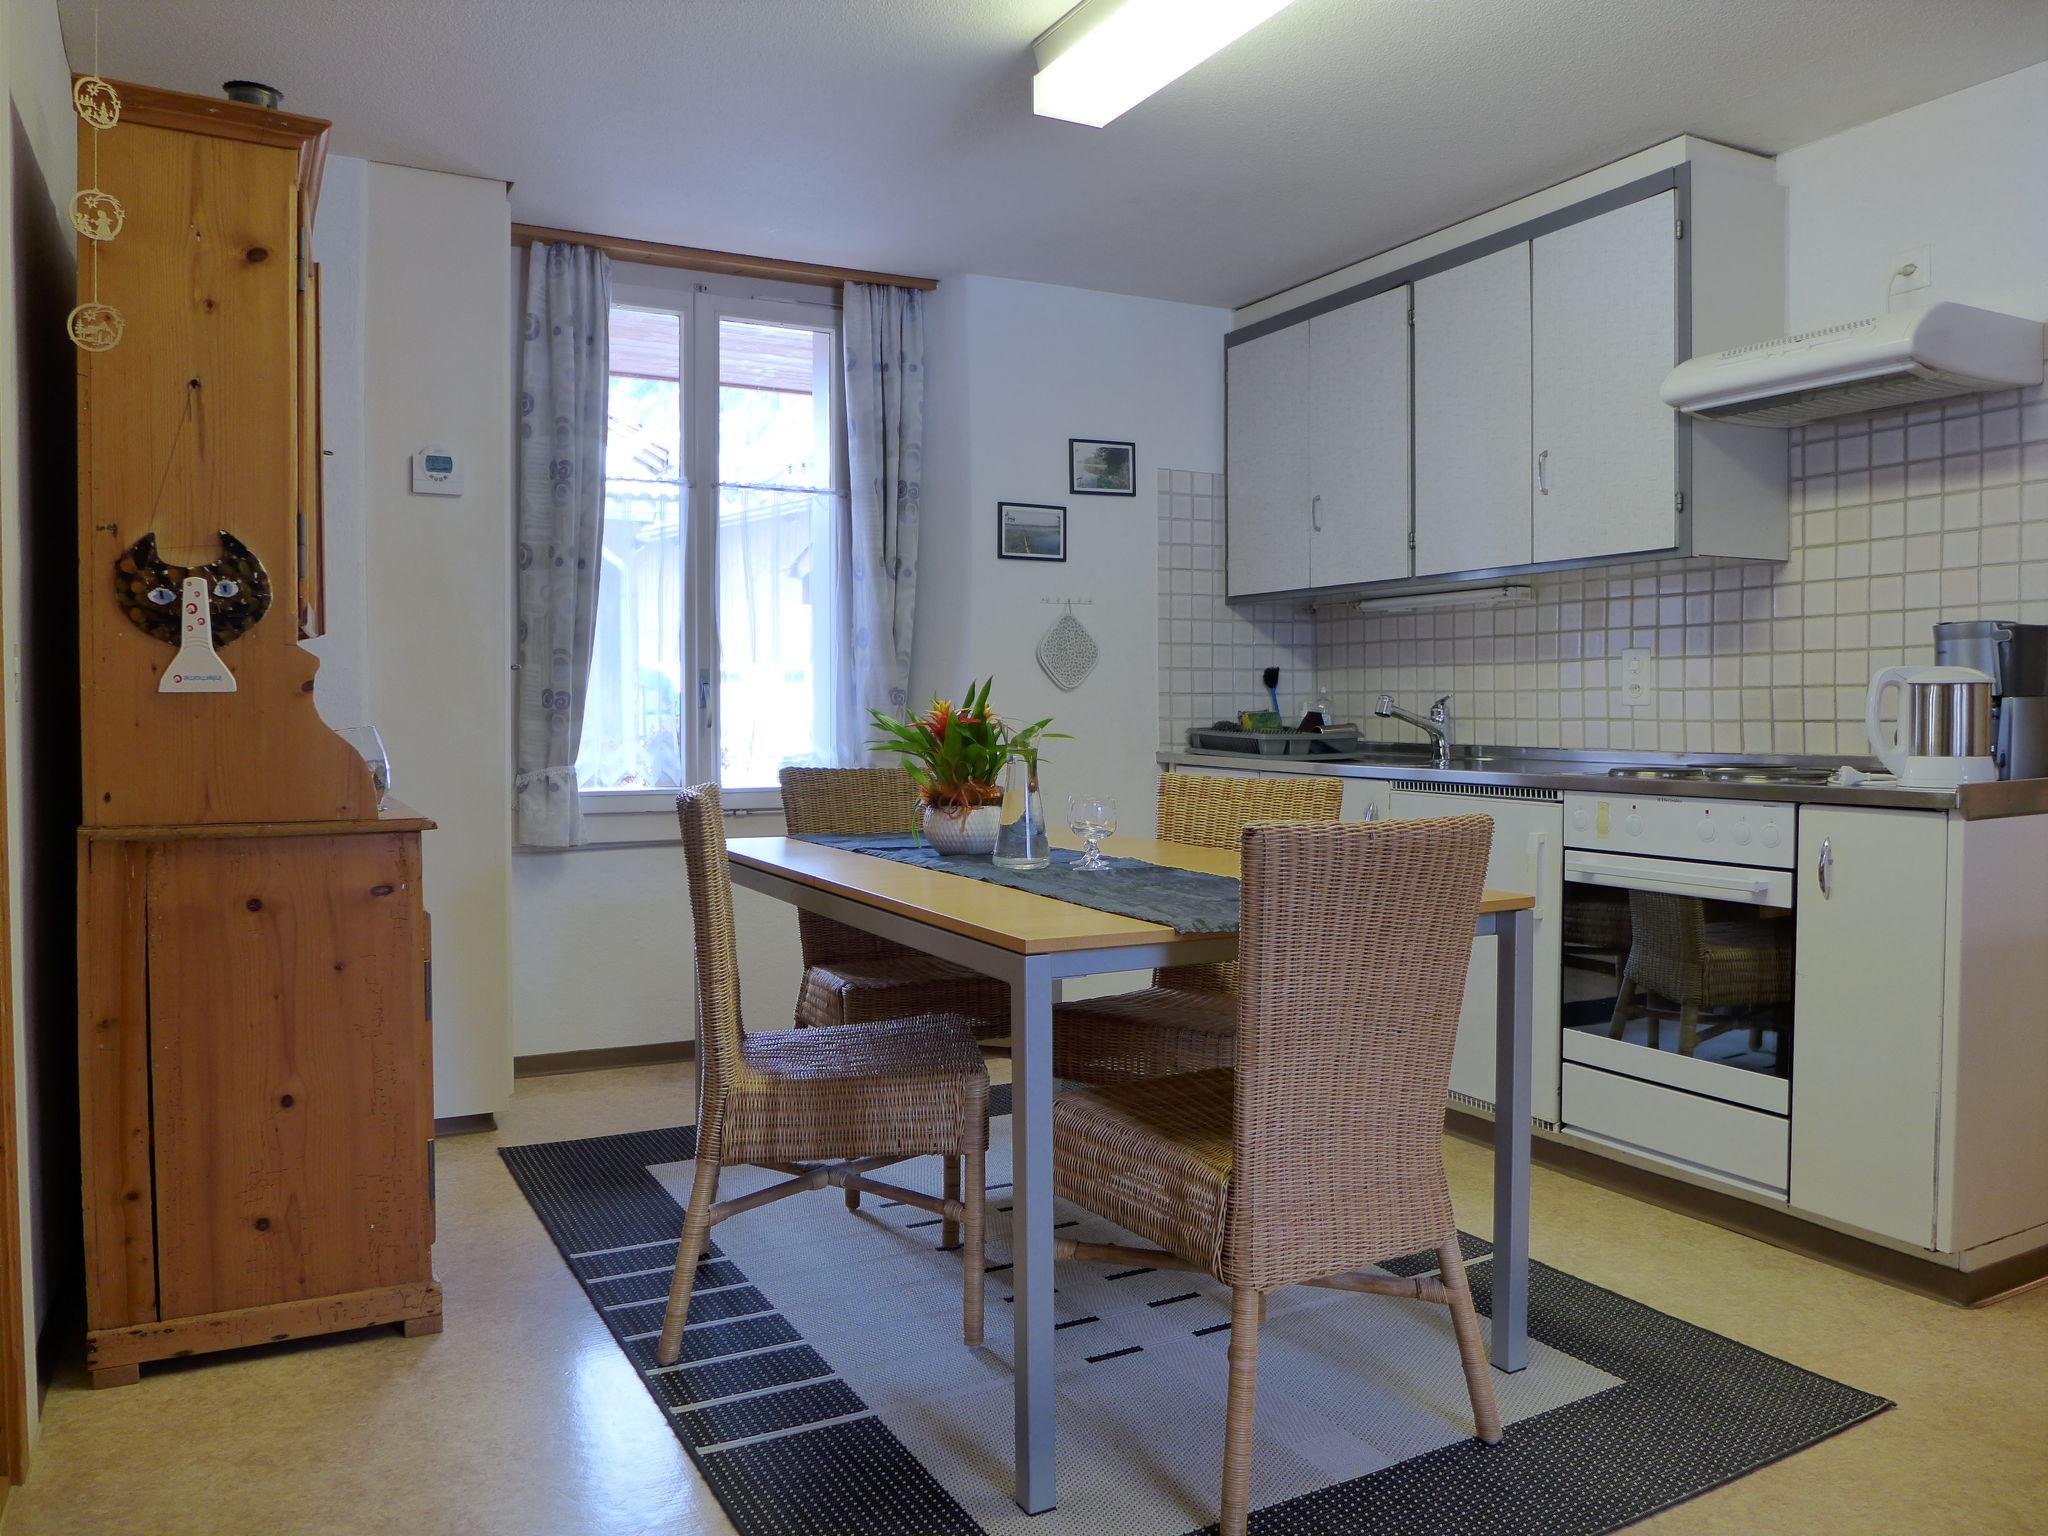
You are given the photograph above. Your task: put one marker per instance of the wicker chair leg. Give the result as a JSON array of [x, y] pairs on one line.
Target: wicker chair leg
[[949, 1229], [974, 1247], [1471, 1348], [1688, 1027], [1245, 1307], [696, 1227], [1623, 1001], [852, 1198]]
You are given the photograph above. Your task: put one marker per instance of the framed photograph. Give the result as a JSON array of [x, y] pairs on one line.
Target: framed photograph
[[1028, 531], [1098, 468]]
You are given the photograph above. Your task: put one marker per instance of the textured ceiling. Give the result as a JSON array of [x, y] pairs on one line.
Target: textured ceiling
[[898, 134]]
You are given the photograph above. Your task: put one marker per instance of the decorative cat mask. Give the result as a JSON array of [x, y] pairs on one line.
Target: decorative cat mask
[[148, 589]]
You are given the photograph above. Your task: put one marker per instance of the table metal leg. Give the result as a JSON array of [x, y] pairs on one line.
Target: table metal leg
[[1031, 1221], [1515, 961]]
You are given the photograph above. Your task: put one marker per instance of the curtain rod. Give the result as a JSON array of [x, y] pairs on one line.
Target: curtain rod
[[654, 254]]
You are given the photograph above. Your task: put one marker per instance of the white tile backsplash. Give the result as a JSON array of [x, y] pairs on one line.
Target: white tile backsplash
[[1898, 520]]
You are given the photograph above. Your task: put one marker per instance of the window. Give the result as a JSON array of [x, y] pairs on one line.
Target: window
[[717, 649]]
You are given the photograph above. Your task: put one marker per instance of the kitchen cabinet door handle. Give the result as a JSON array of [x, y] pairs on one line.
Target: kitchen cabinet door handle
[[1315, 513], [1543, 472], [1539, 850], [1826, 868]]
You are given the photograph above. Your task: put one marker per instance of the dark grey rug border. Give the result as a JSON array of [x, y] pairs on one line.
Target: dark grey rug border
[[1378, 1501]]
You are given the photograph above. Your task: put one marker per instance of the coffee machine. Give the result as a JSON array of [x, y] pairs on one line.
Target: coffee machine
[[2016, 657]]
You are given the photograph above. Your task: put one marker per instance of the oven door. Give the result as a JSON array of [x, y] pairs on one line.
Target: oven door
[[1676, 1010]]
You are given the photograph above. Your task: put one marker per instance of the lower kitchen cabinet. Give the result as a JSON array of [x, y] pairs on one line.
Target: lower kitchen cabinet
[[1527, 855], [1869, 991], [256, 1098]]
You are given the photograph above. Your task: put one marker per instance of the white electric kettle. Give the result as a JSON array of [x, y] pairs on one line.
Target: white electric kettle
[[1943, 737]]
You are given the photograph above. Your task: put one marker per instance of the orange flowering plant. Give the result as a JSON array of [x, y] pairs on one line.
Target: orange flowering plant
[[956, 752]]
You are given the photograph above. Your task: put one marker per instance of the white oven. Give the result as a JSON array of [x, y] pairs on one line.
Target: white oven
[[1675, 995]]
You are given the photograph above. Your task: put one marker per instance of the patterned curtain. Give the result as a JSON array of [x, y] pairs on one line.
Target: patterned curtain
[[883, 341], [564, 387]]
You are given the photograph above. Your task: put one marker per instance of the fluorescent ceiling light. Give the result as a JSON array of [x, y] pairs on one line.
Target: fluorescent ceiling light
[[1105, 56]]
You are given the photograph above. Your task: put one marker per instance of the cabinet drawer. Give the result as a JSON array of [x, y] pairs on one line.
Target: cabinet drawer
[[1705, 1135]]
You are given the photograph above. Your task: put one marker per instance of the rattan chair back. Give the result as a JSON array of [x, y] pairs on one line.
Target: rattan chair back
[[846, 802], [1352, 948], [717, 940], [1213, 810]]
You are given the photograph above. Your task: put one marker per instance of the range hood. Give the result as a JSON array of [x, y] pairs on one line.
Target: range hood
[[1864, 365]]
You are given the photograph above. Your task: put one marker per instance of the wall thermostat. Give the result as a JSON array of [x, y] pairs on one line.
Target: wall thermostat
[[435, 472]]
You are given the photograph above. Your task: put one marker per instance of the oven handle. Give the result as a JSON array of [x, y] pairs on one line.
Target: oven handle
[[1641, 875]]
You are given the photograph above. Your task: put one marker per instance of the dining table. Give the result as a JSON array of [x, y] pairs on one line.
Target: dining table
[[1034, 943]]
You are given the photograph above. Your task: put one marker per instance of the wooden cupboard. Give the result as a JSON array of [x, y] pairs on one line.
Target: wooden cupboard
[[255, 1066]]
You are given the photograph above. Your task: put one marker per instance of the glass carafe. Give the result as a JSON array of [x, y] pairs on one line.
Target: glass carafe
[[1022, 841]]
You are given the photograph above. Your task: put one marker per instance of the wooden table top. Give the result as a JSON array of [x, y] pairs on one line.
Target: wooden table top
[[1020, 921]]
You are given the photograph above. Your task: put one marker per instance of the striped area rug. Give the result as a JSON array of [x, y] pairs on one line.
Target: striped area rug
[[824, 1391]]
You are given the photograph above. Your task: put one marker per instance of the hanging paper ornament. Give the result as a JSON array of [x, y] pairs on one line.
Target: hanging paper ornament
[[97, 101], [97, 215], [96, 327]]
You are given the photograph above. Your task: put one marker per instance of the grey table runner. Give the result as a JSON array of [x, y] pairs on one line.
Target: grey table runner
[[1185, 900]]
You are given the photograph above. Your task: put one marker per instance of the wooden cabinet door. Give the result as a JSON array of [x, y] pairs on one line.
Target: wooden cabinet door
[[1266, 444], [1472, 471], [1358, 442], [1604, 317], [288, 1086], [1867, 1017]]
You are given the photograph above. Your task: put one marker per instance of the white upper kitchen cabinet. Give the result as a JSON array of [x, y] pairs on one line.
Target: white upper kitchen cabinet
[[1868, 1017], [1266, 436], [1472, 480], [1358, 442], [1541, 333], [1318, 451], [1604, 321]]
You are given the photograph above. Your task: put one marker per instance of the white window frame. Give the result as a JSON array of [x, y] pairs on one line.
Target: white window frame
[[703, 299]]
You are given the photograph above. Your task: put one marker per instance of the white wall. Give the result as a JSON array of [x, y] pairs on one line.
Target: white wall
[[38, 173], [437, 584], [1020, 368], [1963, 175], [601, 952]]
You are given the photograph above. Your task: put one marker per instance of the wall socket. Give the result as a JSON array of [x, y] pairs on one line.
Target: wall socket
[[1635, 677]]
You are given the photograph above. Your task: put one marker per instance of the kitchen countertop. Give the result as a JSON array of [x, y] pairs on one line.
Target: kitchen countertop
[[1587, 773]]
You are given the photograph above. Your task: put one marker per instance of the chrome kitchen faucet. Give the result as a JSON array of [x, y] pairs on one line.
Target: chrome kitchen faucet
[[1437, 726]]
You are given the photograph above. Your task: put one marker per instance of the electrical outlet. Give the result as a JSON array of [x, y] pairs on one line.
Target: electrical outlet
[[1635, 677], [1912, 269]]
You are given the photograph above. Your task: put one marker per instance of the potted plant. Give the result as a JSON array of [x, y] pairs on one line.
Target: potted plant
[[956, 755]]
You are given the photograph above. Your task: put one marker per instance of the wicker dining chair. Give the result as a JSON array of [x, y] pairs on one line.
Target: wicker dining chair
[[851, 977], [1320, 1152], [1700, 962], [827, 1106], [1186, 1020]]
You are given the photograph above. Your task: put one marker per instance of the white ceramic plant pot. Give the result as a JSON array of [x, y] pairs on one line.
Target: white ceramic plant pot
[[951, 829]]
